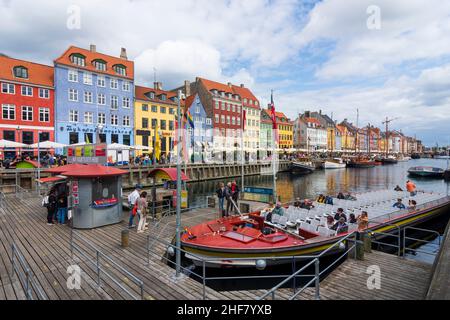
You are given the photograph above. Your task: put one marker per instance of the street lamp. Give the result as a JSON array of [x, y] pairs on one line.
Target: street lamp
[[39, 164], [178, 219]]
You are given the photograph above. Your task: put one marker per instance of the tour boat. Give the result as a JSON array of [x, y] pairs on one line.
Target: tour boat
[[249, 241], [302, 167], [336, 164], [361, 163], [430, 172], [389, 160]]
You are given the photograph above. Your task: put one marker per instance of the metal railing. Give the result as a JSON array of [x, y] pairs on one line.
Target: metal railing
[[18, 190], [101, 262], [397, 235], [204, 261], [421, 241], [25, 275]]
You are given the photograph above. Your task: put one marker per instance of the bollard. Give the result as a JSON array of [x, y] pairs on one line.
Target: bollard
[[125, 238], [367, 240], [360, 245]]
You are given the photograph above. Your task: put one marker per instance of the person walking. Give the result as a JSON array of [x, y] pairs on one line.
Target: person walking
[[132, 198], [51, 206], [221, 195], [142, 211], [411, 188]]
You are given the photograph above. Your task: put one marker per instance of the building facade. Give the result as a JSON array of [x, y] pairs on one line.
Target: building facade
[[266, 139], [94, 97], [154, 113], [285, 130], [348, 137], [26, 102]]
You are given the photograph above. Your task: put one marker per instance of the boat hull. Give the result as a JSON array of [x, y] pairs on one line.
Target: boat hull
[[300, 168], [229, 257], [333, 165]]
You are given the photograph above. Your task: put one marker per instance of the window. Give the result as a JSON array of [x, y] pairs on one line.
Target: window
[[114, 102], [87, 78], [145, 107], [228, 119], [73, 76], [88, 97], [217, 104], [126, 139], [152, 95], [100, 65], [222, 119], [114, 138], [238, 109], [27, 137], [163, 97], [120, 69], [223, 106], [145, 123], [73, 95], [101, 118], [88, 137], [102, 137], [9, 135], [78, 59], [233, 120], [238, 121], [208, 121], [171, 125], [44, 136], [101, 81], [171, 110], [126, 86], [8, 88], [114, 120], [233, 108], [44, 93], [44, 114], [163, 109], [154, 123], [73, 137], [73, 116], [217, 118], [126, 121], [27, 113], [27, 91], [154, 109], [114, 84], [101, 99], [126, 103], [21, 72], [88, 117], [9, 112], [163, 125], [197, 109]]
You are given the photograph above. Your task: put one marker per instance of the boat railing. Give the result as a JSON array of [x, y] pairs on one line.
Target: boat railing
[[104, 265], [417, 241], [202, 276], [25, 275], [376, 236]]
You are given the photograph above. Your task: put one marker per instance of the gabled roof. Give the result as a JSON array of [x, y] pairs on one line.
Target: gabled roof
[[140, 94], [279, 116], [64, 59], [38, 74], [313, 120]]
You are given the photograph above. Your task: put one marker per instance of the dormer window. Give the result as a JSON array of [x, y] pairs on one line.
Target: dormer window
[[163, 97], [229, 96], [120, 69], [99, 64], [151, 95], [78, 59], [21, 72]]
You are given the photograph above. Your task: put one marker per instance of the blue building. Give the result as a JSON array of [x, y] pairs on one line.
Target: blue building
[[200, 138], [94, 97]]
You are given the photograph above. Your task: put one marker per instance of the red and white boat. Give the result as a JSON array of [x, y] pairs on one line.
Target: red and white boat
[[243, 241]]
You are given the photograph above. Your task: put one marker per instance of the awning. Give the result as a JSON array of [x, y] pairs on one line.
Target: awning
[[170, 173], [51, 179]]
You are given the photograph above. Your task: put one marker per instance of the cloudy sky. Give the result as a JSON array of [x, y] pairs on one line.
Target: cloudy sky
[[333, 55]]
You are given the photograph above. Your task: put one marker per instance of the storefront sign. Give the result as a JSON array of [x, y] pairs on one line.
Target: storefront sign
[[89, 153]]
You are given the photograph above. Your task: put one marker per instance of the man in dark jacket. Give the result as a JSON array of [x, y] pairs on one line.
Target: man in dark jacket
[[52, 205], [221, 195]]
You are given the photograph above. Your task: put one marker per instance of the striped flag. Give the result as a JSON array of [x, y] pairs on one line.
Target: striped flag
[[274, 118]]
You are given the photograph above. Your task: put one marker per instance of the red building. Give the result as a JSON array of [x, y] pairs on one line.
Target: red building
[[26, 102]]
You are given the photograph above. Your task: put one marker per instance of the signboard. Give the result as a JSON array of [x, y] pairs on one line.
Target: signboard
[[74, 191], [258, 194], [256, 190], [184, 199], [89, 153]]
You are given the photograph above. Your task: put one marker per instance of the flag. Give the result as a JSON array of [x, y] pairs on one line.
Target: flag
[[244, 119], [157, 146], [274, 118], [189, 119]]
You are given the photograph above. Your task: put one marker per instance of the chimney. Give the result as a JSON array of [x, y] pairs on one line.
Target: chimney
[[157, 85], [123, 54], [187, 88], [93, 48], [320, 112], [229, 84], [242, 85], [307, 114]]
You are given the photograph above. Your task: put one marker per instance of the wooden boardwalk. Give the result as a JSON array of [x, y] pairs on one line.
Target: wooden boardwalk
[[47, 251], [440, 283]]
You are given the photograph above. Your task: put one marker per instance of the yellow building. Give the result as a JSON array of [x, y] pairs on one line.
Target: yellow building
[[347, 138], [285, 130], [154, 109]]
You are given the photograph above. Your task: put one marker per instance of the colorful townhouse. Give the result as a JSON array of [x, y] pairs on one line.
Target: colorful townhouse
[[330, 125], [266, 140], [348, 135], [316, 134], [285, 130], [154, 112], [26, 101], [200, 137], [252, 111], [222, 104], [94, 97]]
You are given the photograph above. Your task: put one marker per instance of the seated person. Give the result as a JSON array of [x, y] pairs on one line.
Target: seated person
[[297, 203], [352, 218], [340, 226], [412, 204], [267, 210], [341, 196], [399, 204], [328, 200], [321, 199], [307, 204], [330, 222], [278, 209], [350, 197], [397, 188], [363, 220], [340, 214]]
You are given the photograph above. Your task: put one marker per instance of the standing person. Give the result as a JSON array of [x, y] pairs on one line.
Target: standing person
[[142, 211], [132, 198], [62, 208], [51, 206], [235, 192], [228, 196], [221, 195], [411, 188], [363, 220]]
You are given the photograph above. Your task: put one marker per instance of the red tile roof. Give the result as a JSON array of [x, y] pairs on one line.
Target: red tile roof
[[140, 92], [64, 59], [38, 74], [313, 120], [279, 116]]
